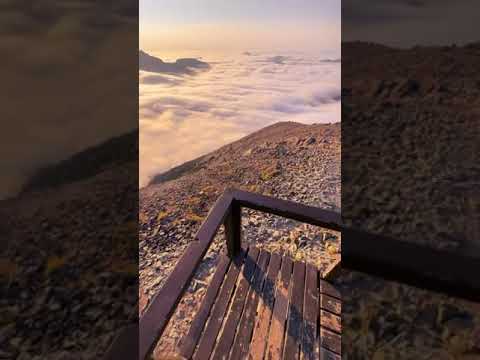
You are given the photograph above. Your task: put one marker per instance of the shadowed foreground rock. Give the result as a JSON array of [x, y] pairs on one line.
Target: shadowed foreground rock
[[69, 260]]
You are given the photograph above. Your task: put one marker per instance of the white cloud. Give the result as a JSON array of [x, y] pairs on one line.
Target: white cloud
[[183, 120], [61, 87]]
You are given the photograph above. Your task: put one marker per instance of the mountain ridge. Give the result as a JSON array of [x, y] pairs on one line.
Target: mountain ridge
[[85, 164], [184, 66]]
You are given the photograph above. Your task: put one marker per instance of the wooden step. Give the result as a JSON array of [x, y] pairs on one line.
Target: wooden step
[[266, 306]]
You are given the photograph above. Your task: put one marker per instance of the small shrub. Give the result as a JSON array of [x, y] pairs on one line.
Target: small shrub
[[162, 215], [193, 217], [269, 173], [54, 263]]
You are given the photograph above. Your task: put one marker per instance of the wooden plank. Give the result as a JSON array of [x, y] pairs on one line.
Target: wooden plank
[[333, 271], [209, 336], [378, 255], [330, 321], [289, 209], [329, 289], [293, 336], [330, 310], [233, 229], [280, 311], [125, 345], [328, 355], [330, 340], [265, 310], [225, 341], [215, 218], [189, 343], [245, 328], [310, 314], [410, 263], [330, 304], [158, 313]]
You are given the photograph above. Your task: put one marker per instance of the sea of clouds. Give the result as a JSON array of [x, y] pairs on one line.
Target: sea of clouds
[[66, 67], [186, 116]]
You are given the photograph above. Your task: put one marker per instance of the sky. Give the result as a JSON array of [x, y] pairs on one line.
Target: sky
[[407, 23], [308, 25]]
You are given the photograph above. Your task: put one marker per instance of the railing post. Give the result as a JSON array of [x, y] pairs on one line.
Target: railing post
[[233, 228]]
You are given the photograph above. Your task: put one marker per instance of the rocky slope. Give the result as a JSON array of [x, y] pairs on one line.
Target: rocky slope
[[286, 160], [117, 151], [411, 123], [68, 265], [410, 130]]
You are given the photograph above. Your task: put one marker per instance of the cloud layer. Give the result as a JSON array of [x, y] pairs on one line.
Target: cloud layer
[[182, 117], [67, 74]]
